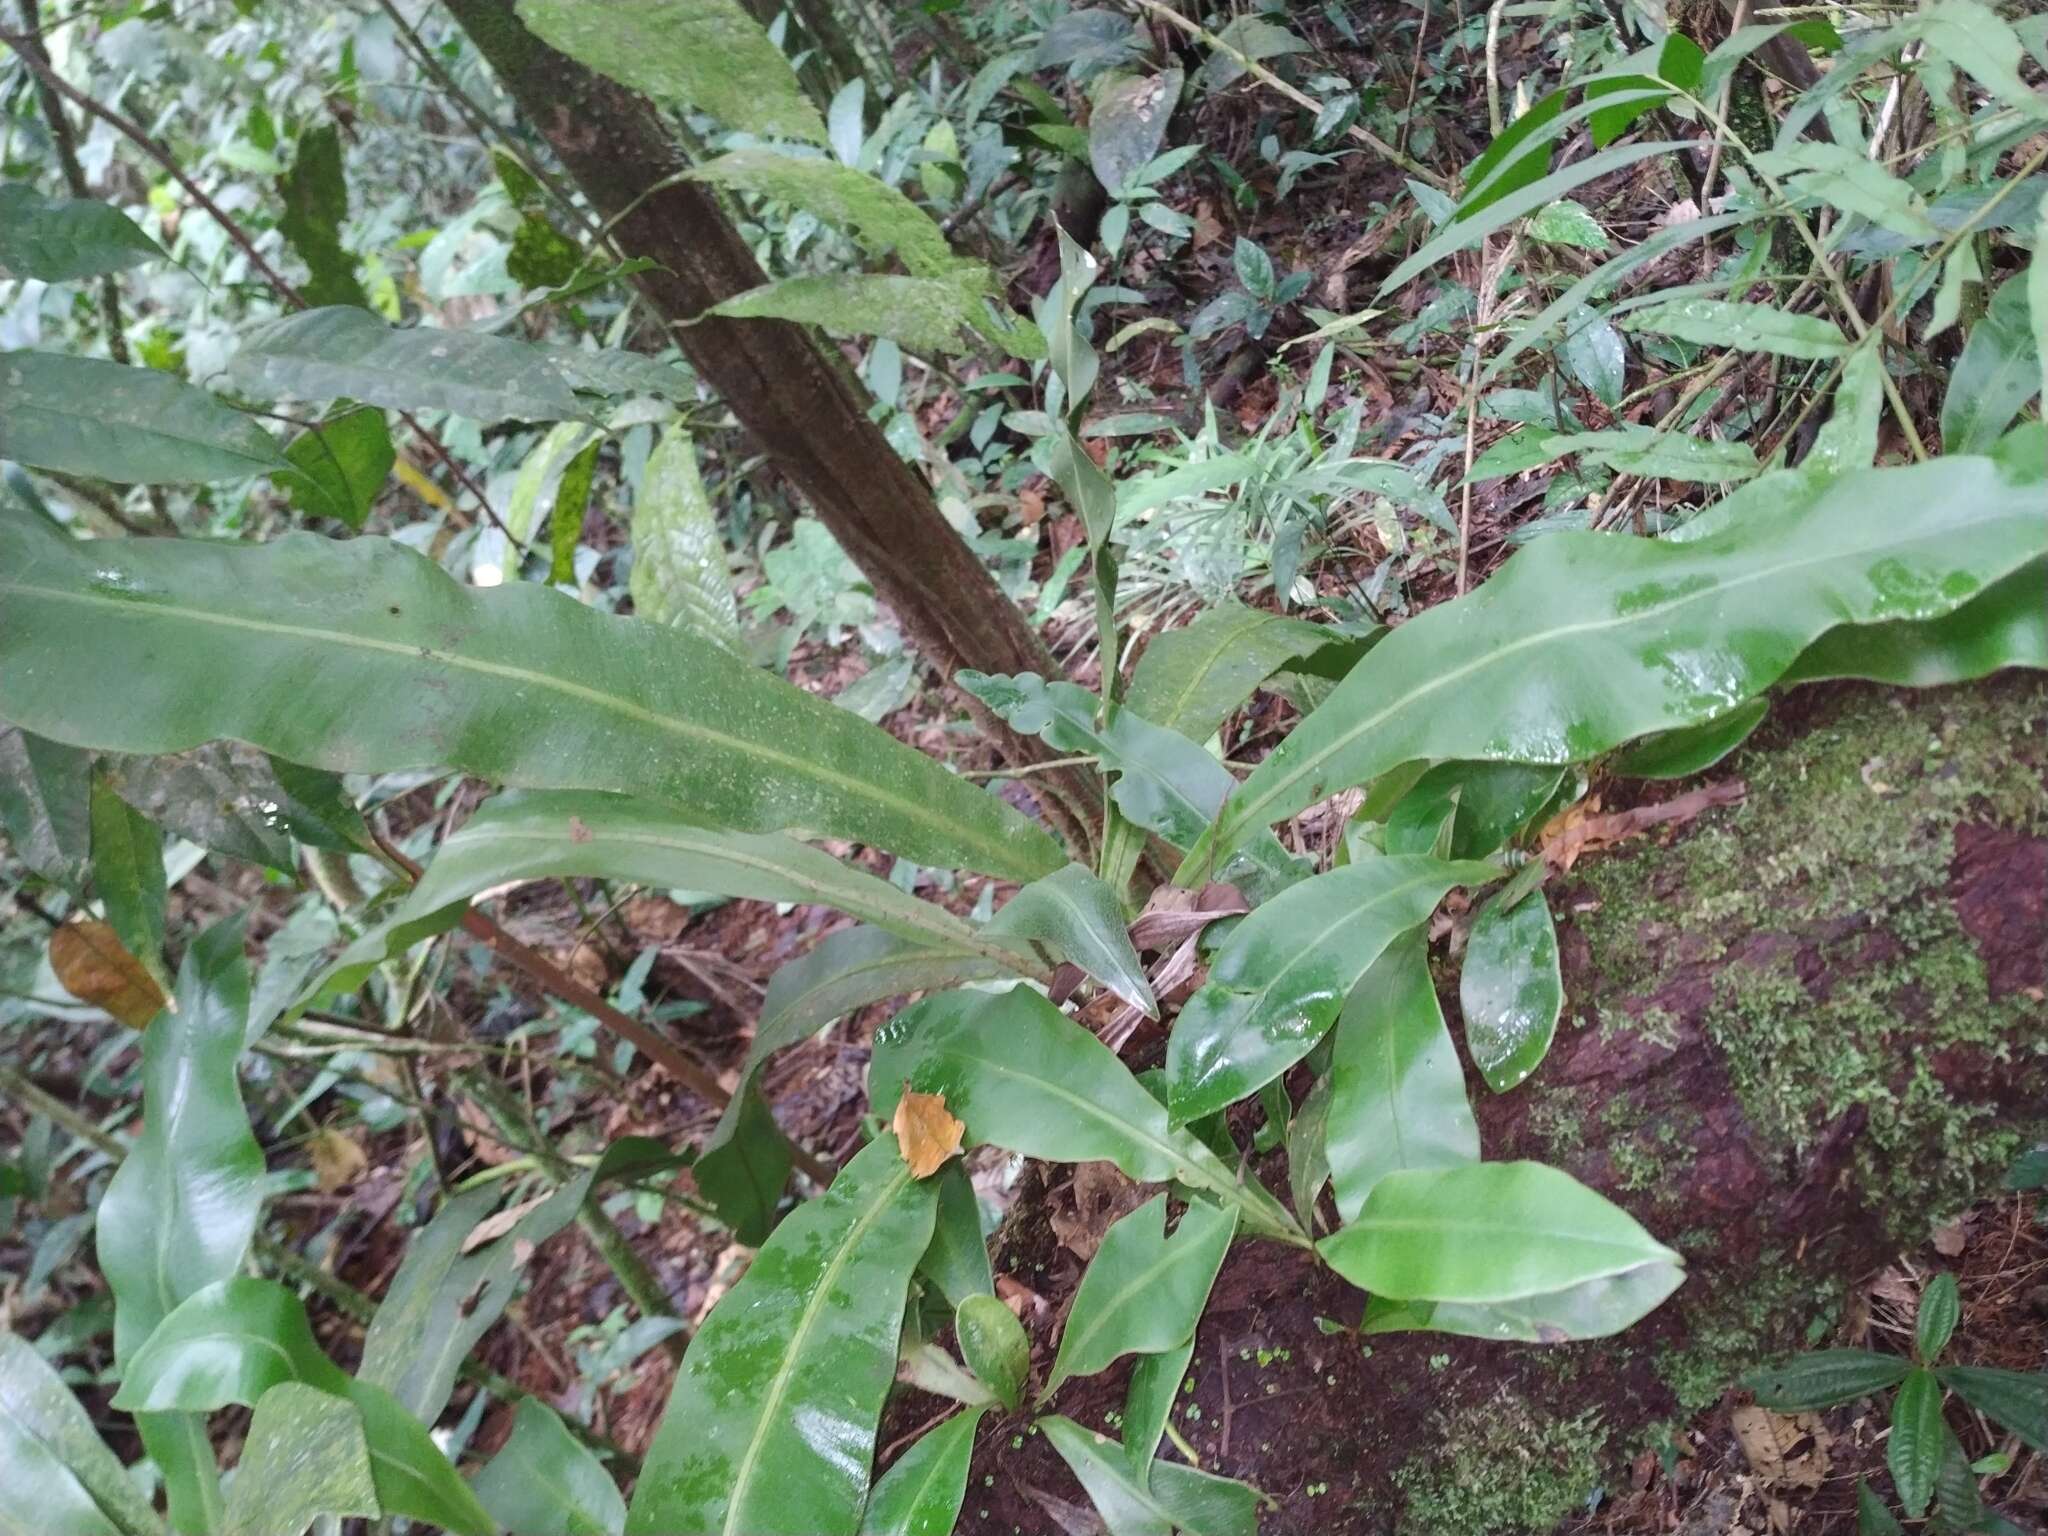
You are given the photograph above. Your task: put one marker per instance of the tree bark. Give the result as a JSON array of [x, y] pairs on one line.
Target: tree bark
[[797, 402], [1797, 1037]]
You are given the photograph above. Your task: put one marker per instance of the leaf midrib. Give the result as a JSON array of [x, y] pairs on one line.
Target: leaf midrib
[[778, 1388], [1245, 811], [805, 767]]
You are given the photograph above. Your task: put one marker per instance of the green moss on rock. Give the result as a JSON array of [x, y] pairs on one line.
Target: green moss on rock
[[1819, 914]]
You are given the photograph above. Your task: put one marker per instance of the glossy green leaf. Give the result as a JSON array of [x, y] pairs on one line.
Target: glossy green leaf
[[679, 572], [1025, 1077], [1635, 635], [346, 353], [1592, 1309], [1397, 1093], [82, 416], [340, 465], [229, 1342], [1308, 1166], [2005, 626], [709, 55], [995, 1347], [572, 505], [1277, 983], [880, 219], [45, 805], [412, 1475], [180, 1210], [1746, 327], [540, 472], [545, 1482], [1178, 1498], [1692, 749], [60, 1473], [304, 1457], [59, 239], [315, 194], [1149, 1402], [745, 1166], [122, 644], [1824, 1378], [1128, 124], [1191, 679], [2016, 1399], [1075, 916], [1144, 1291], [1659, 455], [128, 875], [1511, 990], [771, 1425], [1486, 1232], [921, 1494], [1997, 374], [957, 1260], [1492, 803], [442, 1300], [1941, 1308], [1913, 1452]]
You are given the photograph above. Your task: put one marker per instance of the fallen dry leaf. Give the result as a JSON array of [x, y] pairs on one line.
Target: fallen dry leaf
[[924, 1131], [338, 1161], [1581, 829], [95, 968], [491, 1228], [1784, 1451]]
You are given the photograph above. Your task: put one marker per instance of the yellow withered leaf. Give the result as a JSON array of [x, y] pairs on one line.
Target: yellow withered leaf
[[95, 968], [924, 1131]]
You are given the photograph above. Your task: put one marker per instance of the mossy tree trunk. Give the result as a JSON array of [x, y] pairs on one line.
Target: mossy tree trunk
[[797, 401], [1800, 1035]]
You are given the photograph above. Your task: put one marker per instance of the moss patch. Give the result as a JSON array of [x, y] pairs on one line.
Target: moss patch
[[1777, 1310], [1505, 1467], [1818, 919]]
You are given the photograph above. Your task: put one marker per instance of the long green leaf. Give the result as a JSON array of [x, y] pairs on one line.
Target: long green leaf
[[533, 835], [1076, 917], [1913, 1453], [343, 352], [305, 1457], [315, 193], [413, 1477], [2016, 1399], [921, 1494], [81, 416], [1510, 990], [340, 465], [545, 1482], [1746, 327], [1277, 983], [745, 1166], [365, 657], [770, 1428], [228, 1343], [1999, 372], [679, 573], [442, 1300], [128, 874], [1693, 749], [994, 1346], [1592, 1309], [1154, 1393], [1825, 1377], [1144, 1291], [1178, 1498], [1486, 1232], [180, 1210], [58, 239], [706, 54], [1397, 1094], [924, 314], [1024, 1077], [1190, 679], [60, 1473], [1631, 636]]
